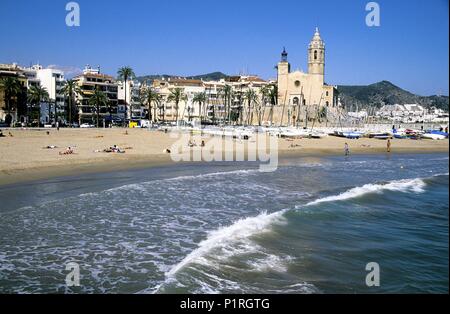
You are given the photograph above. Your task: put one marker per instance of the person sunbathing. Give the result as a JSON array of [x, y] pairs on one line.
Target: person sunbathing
[[114, 149], [68, 151]]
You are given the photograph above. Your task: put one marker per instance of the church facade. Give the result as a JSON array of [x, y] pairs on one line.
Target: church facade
[[299, 89]]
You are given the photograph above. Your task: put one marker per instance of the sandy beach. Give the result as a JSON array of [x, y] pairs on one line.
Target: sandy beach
[[24, 156]]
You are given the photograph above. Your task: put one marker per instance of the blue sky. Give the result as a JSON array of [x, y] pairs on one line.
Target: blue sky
[[410, 48]]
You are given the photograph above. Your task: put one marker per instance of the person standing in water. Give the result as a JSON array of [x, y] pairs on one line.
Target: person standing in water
[[346, 149], [388, 145]]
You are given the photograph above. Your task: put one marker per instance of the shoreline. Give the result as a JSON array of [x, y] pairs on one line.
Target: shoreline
[[133, 162], [24, 156]]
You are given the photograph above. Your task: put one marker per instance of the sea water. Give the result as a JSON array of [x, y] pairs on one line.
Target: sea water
[[312, 226]]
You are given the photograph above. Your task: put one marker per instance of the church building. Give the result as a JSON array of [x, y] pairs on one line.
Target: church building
[[307, 89]]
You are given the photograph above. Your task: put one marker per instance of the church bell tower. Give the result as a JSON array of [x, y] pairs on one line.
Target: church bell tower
[[316, 55], [283, 68]]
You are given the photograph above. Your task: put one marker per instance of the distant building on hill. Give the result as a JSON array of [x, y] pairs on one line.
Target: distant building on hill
[[411, 113]]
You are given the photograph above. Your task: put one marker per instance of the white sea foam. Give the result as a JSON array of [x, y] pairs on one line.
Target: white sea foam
[[215, 174], [409, 185], [142, 186], [440, 174], [271, 263], [241, 229]]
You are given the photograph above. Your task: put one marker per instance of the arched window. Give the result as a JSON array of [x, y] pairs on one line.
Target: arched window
[[297, 83], [315, 54], [327, 103], [295, 101], [326, 93]]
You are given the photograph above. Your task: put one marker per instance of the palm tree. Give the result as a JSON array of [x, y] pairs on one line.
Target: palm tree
[[265, 96], [70, 90], [98, 99], [124, 74], [36, 95], [200, 98], [12, 88], [273, 98], [226, 94], [162, 110], [176, 96], [251, 97], [149, 96]]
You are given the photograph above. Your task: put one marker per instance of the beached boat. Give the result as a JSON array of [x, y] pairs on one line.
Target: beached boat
[[353, 135], [348, 134], [237, 133], [293, 133], [318, 134], [399, 134], [379, 135], [434, 136]]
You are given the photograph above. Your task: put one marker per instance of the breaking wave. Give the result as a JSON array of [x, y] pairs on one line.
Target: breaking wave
[[241, 229], [409, 185]]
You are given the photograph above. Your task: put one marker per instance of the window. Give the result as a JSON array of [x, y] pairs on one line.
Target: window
[[327, 103], [297, 83], [295, 101], [326, 93], [315, 54]]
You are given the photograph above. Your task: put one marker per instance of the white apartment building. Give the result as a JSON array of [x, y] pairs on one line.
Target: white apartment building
[[52, 80], [135, 109]]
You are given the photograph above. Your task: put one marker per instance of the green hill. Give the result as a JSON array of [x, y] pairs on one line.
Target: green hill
[[384, 92]]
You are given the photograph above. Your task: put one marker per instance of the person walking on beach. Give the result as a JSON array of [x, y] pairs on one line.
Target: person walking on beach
[[388, 145], [346, 149]]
